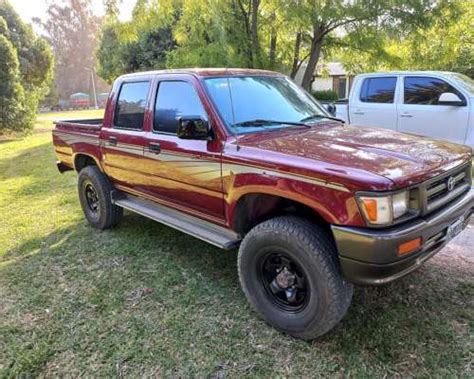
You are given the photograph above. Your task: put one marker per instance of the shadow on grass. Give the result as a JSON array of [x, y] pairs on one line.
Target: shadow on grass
[[9, 139], [29, 162], [156, 296]]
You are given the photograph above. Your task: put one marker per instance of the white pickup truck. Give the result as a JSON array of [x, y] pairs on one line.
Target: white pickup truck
[[429, 103]]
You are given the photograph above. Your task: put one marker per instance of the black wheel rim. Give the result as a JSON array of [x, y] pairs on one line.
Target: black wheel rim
[[285, 282], [92, 198]]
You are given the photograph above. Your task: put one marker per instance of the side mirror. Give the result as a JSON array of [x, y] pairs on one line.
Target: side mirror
[[449, 98], [193, 127], [331, 108]]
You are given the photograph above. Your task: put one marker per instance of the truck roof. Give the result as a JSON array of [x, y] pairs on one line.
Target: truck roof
[[206, 72], [386, 73]]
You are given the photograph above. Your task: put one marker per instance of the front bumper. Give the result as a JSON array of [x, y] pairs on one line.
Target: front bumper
[[370, 257]]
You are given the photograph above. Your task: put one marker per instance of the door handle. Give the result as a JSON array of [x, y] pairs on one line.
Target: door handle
[[113, 141], [358, 112], [154, 147], [406, 115]]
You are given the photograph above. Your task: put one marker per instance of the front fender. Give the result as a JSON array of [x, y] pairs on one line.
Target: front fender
[[335, 205]]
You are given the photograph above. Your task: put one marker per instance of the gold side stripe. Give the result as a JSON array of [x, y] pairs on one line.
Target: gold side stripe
[[75, 138], [232, 169], [64, 134], [126, 150], [196, 166]]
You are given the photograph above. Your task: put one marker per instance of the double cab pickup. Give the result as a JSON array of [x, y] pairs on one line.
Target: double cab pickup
[[247, 159], [435, 104]]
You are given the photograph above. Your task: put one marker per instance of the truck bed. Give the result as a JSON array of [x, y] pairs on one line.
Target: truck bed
[[71, 137]]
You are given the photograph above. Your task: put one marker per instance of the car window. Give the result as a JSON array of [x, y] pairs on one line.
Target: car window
[[252, 97], [378, 90], [426, 91], [130, 108], [175, 99]]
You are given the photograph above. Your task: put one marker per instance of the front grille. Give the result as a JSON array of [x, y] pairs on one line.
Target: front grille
[[443, 189]]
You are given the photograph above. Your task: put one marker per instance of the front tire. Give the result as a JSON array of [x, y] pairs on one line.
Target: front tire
[[95, 197], [289, 272]]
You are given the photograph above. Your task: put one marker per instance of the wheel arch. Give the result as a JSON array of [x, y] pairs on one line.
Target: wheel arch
[[81, 160], [254, 207]]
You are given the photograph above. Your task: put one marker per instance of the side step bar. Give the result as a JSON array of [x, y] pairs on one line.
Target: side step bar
[[204, 230]]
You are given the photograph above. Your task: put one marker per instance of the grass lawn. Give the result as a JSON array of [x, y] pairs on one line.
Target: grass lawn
[[144, 299]]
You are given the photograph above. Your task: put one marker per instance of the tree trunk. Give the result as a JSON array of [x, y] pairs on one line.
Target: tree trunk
[[312, 63], [247, 43], [296, 56], [273, 42], [254, 31]]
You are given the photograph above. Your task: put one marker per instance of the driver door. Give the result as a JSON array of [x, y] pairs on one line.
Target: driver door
[[421, 114], [182, 173]]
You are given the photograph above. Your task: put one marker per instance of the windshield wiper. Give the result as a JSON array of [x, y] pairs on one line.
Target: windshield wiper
[[262, 122], [313, 116]]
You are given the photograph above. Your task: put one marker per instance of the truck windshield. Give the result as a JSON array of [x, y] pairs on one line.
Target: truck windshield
[[241, 99]]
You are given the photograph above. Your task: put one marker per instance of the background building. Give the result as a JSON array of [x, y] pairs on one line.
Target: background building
[[329, 76]]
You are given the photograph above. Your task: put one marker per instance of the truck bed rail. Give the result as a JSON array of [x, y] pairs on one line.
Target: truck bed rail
[[91, 123]]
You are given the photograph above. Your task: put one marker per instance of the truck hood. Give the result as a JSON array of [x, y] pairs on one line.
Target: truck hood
[[403, 158]]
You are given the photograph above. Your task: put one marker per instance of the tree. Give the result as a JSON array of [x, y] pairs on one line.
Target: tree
[[11, 91], [323, 24], [34, 54], [140, 44], [203, 39], [422, 49], [148, 51], [71, 29], [27, 66], [112, 8], [275, 34]]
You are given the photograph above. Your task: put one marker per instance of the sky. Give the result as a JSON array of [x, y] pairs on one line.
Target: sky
[[27, 9]]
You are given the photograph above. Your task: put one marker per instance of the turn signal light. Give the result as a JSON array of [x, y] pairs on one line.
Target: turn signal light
[[409, 246], [370, 206]]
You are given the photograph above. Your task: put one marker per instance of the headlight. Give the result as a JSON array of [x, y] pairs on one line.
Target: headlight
[[400, 204], [383, 210]]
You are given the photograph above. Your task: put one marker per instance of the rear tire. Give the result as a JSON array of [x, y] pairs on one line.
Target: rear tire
[[95, 197], [289, 272]]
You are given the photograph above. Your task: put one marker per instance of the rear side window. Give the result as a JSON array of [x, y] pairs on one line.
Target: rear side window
[[378, 90], [175, 99], [426, 91], [130, 108]]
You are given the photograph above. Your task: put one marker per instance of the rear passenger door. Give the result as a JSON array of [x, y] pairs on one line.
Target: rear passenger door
[[375, 104], [183, 173], [421, 114], [123, 141]]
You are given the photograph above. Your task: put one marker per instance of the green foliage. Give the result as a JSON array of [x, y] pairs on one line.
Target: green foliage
[[34, 55], [182, 33], [148, 51], [446, 42], [108, 57], [202, 38], [4, 28], [325, 95], [140, 44], [286, 35], [52, 97], [11, 92], [27, 66]]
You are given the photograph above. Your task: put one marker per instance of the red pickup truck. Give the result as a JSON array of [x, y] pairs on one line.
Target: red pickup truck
[[247, 158]]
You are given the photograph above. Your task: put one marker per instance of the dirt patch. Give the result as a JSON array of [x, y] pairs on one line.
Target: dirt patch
[[459, 253]]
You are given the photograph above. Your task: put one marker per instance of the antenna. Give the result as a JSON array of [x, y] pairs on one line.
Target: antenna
[[233, 114]]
